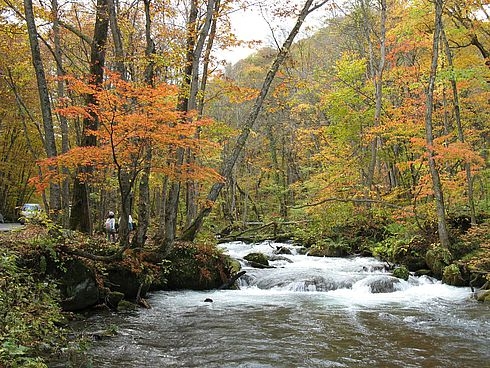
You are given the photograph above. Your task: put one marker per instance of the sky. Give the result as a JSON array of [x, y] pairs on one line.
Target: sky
[[250, 25]]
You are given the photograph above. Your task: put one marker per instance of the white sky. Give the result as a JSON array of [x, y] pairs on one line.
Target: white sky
[[250, 25]]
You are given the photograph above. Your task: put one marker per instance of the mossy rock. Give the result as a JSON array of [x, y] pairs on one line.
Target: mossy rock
[[330, 250], [78, 286], [235, 266], [258, 258], [123, 279], [125, 305], [437, 258], [452, 276], [113, 299], [401, 273], [483, 296], [197, 267]]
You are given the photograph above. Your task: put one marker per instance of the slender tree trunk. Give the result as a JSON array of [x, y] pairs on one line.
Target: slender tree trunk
[[436, 181], [169, 227], [45, 103], [126, 174], [377, 76], [65, 144], [192, 187], [144, 184], [457, 117], [81, 218], [228, 163], [277, 172]]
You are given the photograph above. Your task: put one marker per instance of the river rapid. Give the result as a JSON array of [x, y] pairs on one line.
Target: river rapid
[[305, 312]]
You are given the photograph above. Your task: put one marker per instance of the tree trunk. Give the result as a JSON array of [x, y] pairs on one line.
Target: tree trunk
[[208, 31], [436, 182], [80, 218], [65, 144], [228, 164], [377, 76], [144, 184], [457, 117], [45, 103]]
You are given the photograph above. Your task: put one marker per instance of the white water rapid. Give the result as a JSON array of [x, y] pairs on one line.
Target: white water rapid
[[305, 312]]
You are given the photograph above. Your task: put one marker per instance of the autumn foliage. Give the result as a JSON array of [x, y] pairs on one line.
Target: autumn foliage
[[131, 119]]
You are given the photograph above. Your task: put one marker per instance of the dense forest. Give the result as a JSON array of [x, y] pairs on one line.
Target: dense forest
[[368, 133]]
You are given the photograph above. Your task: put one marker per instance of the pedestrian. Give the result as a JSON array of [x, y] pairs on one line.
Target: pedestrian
[[110, 227]]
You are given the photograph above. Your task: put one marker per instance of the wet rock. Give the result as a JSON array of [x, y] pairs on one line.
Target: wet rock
[[257, 259], [113, 299], [452, 276], [383, 284], [401, 273], [78, 286], [208, 300], [282, 250], [483, 296], [125, 281], [280, 258], [330, 250]]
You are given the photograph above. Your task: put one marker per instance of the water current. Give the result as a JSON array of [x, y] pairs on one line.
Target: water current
[[305, 312]]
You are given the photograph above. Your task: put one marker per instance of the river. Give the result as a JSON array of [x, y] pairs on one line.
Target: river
[[311, 312]]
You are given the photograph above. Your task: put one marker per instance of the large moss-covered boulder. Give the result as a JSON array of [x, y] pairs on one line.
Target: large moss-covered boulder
[[451, 275], [437, 258], [257, 258], [329, 248], [197, 267], [78, 286], [122, 278], [401, 273], [483, 296]]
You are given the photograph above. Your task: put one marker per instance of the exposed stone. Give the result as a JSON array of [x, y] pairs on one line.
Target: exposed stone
[[125, 281], [258, 258], [78, 286], [401, 273], [113, 299], [452, 276], [483, 296]]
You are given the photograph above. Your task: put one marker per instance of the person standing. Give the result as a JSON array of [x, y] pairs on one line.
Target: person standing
[[110, 227]]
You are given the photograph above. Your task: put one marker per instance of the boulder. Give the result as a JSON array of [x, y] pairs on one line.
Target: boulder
[[401, 273], [123, 280], [257, 258], [78, 286], [451, 275], [483, 296]]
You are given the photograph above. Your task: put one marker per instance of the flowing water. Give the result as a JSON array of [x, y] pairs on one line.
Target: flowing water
[[306, 312]]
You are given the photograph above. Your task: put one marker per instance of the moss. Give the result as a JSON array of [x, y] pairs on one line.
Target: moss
[[483, 296], [437, 258], [330, 248], [401, 273], [452, 276], [259, 258], [197, 267]]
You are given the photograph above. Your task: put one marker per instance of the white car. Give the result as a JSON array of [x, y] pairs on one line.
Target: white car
[[29, 211]]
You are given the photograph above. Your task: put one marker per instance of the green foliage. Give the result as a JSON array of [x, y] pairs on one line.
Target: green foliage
[[30, 314], [452, 275], [437, 258], [328, 247], [401, 273]]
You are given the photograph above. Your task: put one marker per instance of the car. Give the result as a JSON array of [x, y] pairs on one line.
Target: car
[[29, 211]]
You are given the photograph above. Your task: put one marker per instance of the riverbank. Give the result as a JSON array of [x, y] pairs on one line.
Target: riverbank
[[66, 271]]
